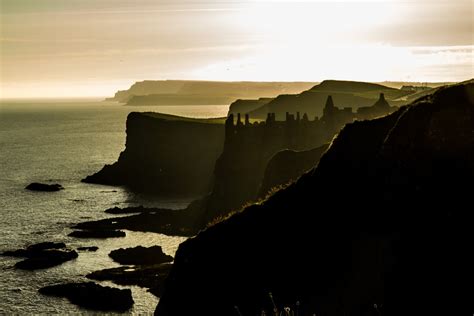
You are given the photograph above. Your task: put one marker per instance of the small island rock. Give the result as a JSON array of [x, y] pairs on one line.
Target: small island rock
[[140, 255], [35, 186]]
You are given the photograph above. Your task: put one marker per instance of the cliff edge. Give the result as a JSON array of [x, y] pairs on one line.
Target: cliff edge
[[383, 225], [166, 154]]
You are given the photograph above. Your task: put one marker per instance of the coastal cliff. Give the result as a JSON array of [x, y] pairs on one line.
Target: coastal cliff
[[346, 94], [288, 165], [248, 148], [381, 226], [167, 155], [191, 92]]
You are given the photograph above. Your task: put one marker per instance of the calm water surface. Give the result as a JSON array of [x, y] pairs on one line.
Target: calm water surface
[[63, 142]]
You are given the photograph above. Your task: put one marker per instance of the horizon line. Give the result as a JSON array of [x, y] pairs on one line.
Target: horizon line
[[103, 97]]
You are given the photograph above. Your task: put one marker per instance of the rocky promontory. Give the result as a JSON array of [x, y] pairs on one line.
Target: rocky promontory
[[382, 225], [288, 165], [192, 92], [166, 155], [150, 276], [140, 255]]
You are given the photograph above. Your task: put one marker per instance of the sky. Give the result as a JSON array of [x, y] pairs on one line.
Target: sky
[[65, 48]]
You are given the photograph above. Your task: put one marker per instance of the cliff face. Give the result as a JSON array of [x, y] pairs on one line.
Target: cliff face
[[344, 93], [166, 155], [239, 171], [383, 225], [287, 166], [248, 147]]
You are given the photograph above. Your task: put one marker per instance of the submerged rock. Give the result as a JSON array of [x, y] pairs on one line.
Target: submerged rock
[[97, 233], [92, 296], [140, 255], [35, 186]]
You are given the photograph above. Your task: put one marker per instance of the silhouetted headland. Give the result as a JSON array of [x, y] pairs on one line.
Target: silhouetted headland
[[349, 95], [192, 92], [166, 155], [381, 225], [238, 171]]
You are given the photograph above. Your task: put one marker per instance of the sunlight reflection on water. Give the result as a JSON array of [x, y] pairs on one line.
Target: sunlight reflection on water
[[64, 143]]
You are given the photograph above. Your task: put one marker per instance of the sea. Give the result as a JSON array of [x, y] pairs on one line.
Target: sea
[[63, 141]]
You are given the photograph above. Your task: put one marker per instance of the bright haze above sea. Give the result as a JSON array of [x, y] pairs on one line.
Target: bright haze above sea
[[57, 48]]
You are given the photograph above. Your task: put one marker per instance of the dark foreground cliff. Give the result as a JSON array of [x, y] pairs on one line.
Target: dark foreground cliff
[[383, 225], [167, 155], [287, 166]]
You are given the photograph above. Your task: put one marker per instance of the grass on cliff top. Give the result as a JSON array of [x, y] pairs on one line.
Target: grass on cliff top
[[170, 117]]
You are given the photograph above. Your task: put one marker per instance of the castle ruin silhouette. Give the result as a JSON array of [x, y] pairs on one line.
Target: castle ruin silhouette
[[250, 145]]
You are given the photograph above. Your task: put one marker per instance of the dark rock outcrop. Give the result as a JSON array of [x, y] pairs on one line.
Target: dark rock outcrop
[[383, 224], [168, 222], [42, 255], [103, 233], [287, 165], [140, 255], [157, 155], [47, 259], [92, 296], [147, 276], [35, 186], [46, 245], [31, 250]]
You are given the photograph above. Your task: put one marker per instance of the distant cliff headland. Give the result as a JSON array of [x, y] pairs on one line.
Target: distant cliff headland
[[346, 94], [191, 92]]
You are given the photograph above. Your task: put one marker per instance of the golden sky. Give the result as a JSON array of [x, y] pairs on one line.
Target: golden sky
[[93, 47]]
